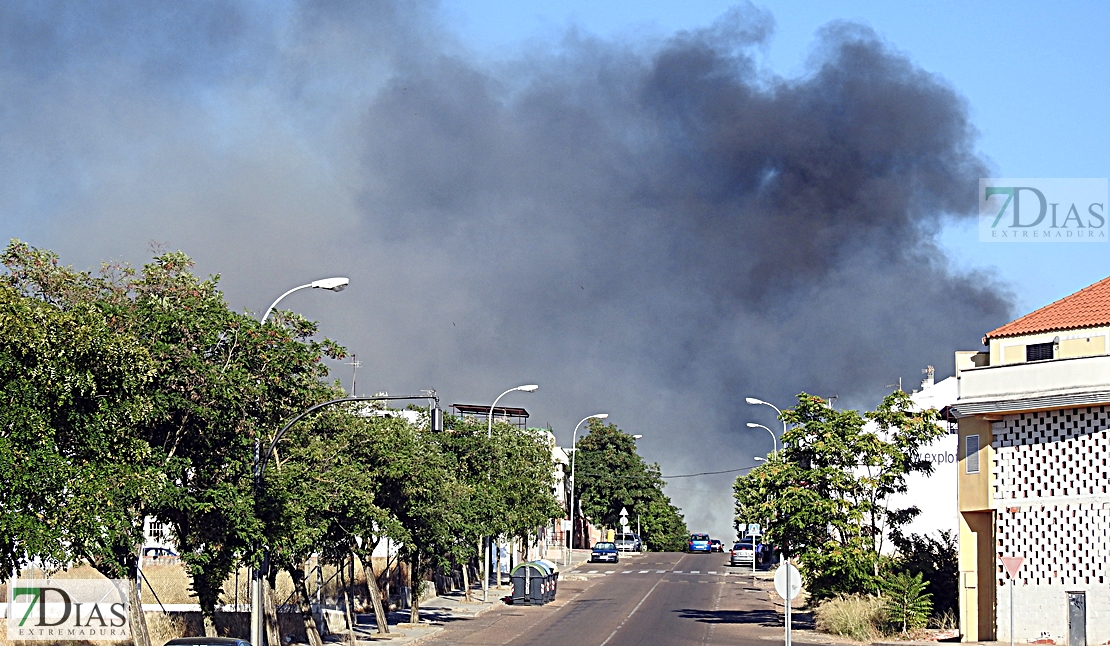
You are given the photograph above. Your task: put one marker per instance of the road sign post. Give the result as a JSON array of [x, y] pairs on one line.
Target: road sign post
[[754, 531], [1012, 565], [788, 583]]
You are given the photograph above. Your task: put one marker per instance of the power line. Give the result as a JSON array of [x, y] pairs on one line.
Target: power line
[[710, 473]]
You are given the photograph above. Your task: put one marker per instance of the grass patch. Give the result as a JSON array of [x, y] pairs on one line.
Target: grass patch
[[856, 616]]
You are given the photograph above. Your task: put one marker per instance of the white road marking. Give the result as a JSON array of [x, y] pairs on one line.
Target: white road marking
[[592, 572], [660, 571], [612, 634], [677, 572], [712, 572], [695, 571], [644, 571], [627, 572]]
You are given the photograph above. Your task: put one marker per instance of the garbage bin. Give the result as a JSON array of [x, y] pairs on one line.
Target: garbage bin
[[530, 583], [553, 579]]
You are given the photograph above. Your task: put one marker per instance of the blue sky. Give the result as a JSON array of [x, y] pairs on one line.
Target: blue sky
[[1036, 76]]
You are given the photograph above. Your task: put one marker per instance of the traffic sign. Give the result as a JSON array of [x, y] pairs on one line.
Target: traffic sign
[[624, 522], [754, 529], [1012, 564], [624, 512], [788, 569]]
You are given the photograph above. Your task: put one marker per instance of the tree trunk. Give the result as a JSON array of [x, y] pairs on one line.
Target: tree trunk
[[314, 638], [375, 594], [414, 589], [209, 626], [497, 546], [466, 580], [269, 613], [347, 609], [140, 634]]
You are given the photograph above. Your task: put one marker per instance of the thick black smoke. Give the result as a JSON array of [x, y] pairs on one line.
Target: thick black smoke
[[655, 228]]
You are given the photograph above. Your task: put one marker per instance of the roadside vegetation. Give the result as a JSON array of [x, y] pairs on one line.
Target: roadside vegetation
[[824, 500], [135, 393]]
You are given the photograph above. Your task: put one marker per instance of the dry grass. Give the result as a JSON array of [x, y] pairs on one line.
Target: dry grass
[[857, 617], [164, 627]]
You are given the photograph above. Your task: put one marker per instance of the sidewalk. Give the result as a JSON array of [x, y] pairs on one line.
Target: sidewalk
[[437, 612]]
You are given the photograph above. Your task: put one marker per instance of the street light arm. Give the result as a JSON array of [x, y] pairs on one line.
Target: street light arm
[[773, 438], [271, 308], [260, 468], [527, 388]]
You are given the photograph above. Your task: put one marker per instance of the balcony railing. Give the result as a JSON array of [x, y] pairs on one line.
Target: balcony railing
[[1058, 378]]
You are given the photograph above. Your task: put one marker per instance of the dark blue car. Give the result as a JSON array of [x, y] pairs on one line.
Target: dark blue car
[[604, 553], [699, 543]]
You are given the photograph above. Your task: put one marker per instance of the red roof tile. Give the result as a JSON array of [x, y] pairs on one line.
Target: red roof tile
[[1089, 307]]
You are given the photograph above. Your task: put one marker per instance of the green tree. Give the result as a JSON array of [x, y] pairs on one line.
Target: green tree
[[72, 475], [220, 383], [906, 605], [825, 496], [936, 559], [611, 475]]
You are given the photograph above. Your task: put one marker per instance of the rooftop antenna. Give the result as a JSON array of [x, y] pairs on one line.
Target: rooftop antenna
[[899, 384], [355, 365]]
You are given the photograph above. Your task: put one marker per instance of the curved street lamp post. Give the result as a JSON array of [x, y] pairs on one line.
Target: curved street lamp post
[[487, 544], [573, 455], [334, 284]]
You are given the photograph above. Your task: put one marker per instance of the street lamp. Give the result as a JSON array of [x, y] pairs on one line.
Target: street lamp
[[335, 284], [759, 402], [636, 437], [759, 459], [573, 455], [773, 438], [529, 388]]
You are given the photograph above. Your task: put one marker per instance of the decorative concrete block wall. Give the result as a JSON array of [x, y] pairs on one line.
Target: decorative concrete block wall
[[1051, 478]]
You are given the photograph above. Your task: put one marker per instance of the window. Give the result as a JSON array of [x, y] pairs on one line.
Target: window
[[157, 530], [971, 455], [1039, 351]]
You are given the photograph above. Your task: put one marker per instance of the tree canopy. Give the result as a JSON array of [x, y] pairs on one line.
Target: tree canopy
[[610, 475], [825, 496]]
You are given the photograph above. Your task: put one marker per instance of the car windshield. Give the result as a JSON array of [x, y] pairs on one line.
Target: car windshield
[[605, 546]]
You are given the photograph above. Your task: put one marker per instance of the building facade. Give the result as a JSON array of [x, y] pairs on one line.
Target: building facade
[[1033, 417]]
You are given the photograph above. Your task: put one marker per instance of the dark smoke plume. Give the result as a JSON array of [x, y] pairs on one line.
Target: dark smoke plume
[[652, 227]]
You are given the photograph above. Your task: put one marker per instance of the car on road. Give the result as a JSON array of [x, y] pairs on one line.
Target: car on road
[[715, 545], [158, 552], [744, 553], [699, 543], [604, 552], [629, 543]]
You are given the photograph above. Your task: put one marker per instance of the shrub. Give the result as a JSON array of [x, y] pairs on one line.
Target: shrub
[[906, 605], [856, 616], [936, 559]]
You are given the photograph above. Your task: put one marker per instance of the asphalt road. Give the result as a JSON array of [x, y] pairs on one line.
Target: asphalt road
[[680, 599]]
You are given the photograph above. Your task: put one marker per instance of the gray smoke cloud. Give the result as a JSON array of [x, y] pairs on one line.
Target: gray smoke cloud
[[654, 227]]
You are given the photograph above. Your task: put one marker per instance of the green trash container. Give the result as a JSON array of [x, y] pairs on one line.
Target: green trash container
[[530, 582]]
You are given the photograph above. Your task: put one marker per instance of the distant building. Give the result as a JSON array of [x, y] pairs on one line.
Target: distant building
[[933, 494], [1033, 414]]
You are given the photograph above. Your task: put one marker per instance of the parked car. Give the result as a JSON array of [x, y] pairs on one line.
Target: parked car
[[207, 641], [604, 552], [715, 545], [743, 553], [699, 543], [629, 543], [156, 552]]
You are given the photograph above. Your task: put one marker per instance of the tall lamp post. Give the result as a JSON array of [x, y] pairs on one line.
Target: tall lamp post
[[759, 402], [334, 284], [529, 388], [573, 455], [773, 438]]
